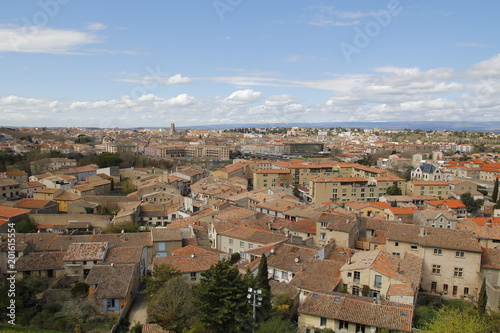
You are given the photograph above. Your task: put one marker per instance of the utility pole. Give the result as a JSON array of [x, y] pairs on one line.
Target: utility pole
[[255, 299]]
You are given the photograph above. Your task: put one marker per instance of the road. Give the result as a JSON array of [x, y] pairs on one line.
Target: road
[[138, 311]]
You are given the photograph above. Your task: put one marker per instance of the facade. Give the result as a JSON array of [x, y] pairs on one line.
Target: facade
[[437, 188], [352, 314], [452, 258], [10, 189], [346, 189], [266, 178], [427, 172]]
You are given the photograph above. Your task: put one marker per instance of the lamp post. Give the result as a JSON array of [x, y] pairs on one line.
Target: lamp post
[[255, 299]]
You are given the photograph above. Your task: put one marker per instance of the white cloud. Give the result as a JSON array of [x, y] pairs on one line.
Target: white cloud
[[181, 100], [95, 26], [279, 100], [40, 39], [152, 80], [243, 96]]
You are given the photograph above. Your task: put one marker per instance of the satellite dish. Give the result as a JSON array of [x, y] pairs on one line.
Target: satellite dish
[[296, 259], [272, 251]]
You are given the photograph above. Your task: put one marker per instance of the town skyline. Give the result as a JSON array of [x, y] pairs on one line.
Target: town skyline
[[241, 62]]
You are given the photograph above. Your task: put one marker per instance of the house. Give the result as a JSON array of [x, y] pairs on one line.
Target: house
[[350, 313], [490, 269], [460, 186], [38, 206], [427, 171], [285, 260], [18, 176], [438, 218], [49, 264], [10, 189], [376, 271], [46, 193], [81, 257], [342, 228], [452, 258], [240, 239], [64, 198], [11, 215], [165, 240], [304, 229], [27, 189], [113, 286], [404, 214], [190, 261], [137, 255], [454, 206]]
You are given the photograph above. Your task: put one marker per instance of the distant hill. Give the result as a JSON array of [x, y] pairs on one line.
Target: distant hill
[[423, 125]]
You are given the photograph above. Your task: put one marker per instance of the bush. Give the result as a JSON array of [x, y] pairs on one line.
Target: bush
[[80, 290]]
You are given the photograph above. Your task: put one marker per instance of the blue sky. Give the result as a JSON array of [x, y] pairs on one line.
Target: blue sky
[[150, 63]]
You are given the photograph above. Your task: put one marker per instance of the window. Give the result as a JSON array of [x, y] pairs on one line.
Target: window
[[284, 275], [355, 290], [250, 245], [162, 246], [322, 321], [374, 293], [433, 287], [360, 328], [242, 244], [357, 276], [230, 241], [459, 272], [438, 252], [466, 291], [324, 225], [460, 254], [397, 254], [230, 251], [414, 247], [343, 325], [436, 269], [349, 274], [396, 244], [193, 276], [445, 289], [378, 281], [322, 236], [85, 262], [455, 290]]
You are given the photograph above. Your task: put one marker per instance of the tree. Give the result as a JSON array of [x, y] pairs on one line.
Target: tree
[[471, 204], [80, 290], [262, 283], [26, 225], [172, 306], [277, 324], [482, 299], [494, 195], [450, 319], [394, 190], [162, 274], [221, 298], [105, 160]]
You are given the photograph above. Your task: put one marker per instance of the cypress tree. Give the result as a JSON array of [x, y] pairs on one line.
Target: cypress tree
[[262, 283], [483, 299], [494, 196]]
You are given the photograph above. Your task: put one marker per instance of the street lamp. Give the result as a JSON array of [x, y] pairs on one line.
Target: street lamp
[[255, 299]]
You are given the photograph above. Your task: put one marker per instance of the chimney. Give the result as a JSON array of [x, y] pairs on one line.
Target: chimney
[[349, 259], [422, 231]]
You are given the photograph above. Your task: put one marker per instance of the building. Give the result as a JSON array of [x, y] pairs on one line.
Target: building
[[452, 258], [426, 172], [350, 313], [437, 188], [10, 189], [347, 189], [302, 148], [266, 178], [81, 257]]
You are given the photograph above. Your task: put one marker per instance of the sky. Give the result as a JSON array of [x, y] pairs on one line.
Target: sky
[[151, 63]]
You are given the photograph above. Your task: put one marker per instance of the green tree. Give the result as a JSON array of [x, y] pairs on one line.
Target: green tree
[[26, 225], [277, 324], [105, 160], [161, 275], [451, 319], [494, 195], [262, 283], [482, 299], [80, 290], [471, 204], [394, 190], [172, 306], [221, 298]]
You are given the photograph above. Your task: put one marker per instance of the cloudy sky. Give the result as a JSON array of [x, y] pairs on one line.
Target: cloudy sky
[[149, 63]]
